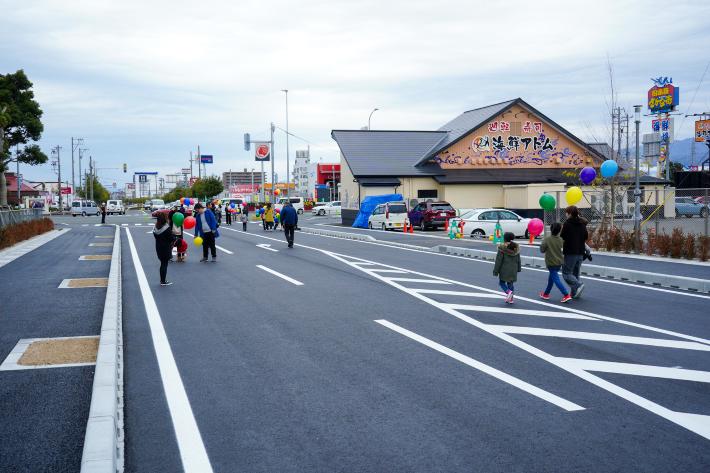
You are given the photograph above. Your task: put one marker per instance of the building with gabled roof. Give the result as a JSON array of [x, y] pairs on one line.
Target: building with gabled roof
[[501, 155]]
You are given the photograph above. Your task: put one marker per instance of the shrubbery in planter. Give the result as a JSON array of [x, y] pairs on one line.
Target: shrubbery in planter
[[12, 234]]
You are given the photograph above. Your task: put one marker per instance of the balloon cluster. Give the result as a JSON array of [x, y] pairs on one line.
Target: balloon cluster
[[277, 192]]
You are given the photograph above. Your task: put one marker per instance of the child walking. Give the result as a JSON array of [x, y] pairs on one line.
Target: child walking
[[244, 218], [552, 247], [507, 265]]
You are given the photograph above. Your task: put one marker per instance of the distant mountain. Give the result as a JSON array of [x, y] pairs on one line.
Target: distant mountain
[[681, 152]]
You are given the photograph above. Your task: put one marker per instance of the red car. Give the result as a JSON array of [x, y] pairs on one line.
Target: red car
[[431, 214]]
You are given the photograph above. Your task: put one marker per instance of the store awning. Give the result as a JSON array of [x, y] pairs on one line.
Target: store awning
[[379, 182]]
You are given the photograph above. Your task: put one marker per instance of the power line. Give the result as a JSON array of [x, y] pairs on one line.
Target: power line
[[702, 78]]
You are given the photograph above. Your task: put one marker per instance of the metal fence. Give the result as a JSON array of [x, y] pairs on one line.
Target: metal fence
[[12, 217], [661, 209]]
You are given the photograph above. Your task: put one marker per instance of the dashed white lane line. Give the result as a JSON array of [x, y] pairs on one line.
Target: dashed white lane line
[[638, 370], [216, 246], [192, 449], [282, 276], [505, 377]]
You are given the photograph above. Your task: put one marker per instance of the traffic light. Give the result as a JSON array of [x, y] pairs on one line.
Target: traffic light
[[125, 167]]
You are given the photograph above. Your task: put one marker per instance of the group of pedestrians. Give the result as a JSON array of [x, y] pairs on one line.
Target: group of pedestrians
[[168, 234], [564, 249]]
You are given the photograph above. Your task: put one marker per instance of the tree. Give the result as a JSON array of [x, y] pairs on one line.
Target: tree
[[207, 187], [20, 122], [100, 192]]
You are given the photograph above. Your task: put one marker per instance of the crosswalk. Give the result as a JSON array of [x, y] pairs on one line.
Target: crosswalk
[[445, 295]]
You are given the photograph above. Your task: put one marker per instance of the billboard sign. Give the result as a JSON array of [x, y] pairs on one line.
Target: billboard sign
[[663, 99], [243, 189], [262, 152], [206, 159], [185, 171], [702, 130], [664, 127], [66, 190]]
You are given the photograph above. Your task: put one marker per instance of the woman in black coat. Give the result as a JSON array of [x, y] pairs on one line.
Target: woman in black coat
[[163, 246]]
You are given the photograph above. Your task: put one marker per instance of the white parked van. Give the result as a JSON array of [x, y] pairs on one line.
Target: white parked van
[[84, 208], [388, 216], [297, 202], [115, 207]]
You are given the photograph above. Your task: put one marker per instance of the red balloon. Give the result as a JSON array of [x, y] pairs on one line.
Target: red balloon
[[189, 222]]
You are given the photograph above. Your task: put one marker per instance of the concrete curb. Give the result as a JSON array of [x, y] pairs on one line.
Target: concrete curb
[[619, 274], [332, 233], [104, 438]]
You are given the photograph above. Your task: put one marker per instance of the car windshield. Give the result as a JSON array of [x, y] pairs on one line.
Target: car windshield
[[398, 208], [76, 204], [283, 201], [441, 207], [158, 202]]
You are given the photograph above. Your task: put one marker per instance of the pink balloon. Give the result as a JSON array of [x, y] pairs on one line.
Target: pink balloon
[[535, 227]]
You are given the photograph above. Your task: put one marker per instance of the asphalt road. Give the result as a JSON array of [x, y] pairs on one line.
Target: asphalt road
[[351, 356]]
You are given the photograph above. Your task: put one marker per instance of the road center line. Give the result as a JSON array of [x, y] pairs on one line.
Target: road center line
[[505, 377], [282, 276], [192, 449]]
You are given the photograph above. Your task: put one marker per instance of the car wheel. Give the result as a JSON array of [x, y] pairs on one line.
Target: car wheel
[[299, 211], [422, 226], [83, 214], [703, 213], [478, 234], [677, 214], [369, 224], [384, 228], [527, 235], [321, 212], [73, 215]]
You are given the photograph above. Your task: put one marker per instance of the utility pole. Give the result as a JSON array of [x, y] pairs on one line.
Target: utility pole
[[56, 151], [19, 180], [91, 177], [618, 129], [75, 142], [273, 156], [637, 188], [199, 166], [628, 133], [190, 165], [288, 175]]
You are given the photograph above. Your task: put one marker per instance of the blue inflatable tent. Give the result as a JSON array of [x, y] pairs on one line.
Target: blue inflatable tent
[[369, 204]]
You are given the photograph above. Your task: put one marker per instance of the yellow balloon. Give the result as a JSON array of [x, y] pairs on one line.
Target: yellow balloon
[[198, 241], [573, 195]]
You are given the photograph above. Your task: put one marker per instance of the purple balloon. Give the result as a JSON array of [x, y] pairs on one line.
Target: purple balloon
[[588, 174]]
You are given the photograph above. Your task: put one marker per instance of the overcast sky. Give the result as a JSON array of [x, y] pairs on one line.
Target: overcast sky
[[145, 82]]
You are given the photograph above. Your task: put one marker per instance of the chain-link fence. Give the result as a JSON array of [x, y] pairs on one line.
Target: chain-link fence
[[12, 217], [662, 209]]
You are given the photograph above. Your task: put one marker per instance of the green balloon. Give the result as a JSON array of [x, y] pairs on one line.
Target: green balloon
[[178, 219], [547, 202]]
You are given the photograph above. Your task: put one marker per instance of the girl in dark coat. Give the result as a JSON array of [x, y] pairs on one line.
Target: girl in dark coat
[[163, 246]]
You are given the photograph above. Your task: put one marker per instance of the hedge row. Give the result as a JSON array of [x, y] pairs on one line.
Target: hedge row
[[13, 234]]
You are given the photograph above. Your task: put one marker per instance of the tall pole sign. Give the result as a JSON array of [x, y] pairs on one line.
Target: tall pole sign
[[663, 98]]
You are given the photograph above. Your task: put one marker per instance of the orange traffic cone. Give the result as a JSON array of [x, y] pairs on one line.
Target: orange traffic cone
[[404, 228], [532, 238], [411, 228], [446, 225]]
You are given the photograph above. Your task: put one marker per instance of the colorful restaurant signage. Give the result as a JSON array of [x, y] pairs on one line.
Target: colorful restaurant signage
[[663, 99], [523, 143], [702, 130]]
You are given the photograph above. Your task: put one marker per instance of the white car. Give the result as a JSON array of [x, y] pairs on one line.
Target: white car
[[330, 208], [480, 223], [157, 204], [115, 207], [388, 216], [297, 202]]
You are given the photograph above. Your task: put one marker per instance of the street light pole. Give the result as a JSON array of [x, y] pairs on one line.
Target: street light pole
[[637, 188], [75, 142], [288, 175], [59, 177], [370, 118]]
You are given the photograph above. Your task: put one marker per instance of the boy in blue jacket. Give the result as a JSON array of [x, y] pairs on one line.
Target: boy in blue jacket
[[206, 227], [289, 221]]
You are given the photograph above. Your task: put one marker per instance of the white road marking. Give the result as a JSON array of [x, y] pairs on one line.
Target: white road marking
[[394, 271], [505, 377], [84, 224], [600, 337], [124, 224], [639, 370], [696, 423], [444, 292], [192, 449], [282, 276], [266, 246], [417, 280], [510, 310], [216, 246]]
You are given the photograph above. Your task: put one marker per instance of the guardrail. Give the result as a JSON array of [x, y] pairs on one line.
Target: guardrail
[[13, 217]]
